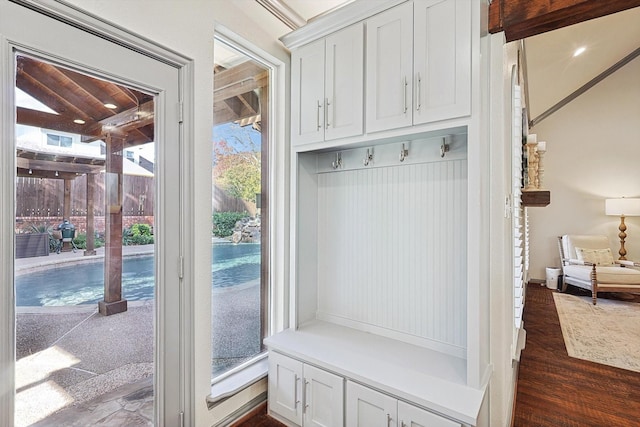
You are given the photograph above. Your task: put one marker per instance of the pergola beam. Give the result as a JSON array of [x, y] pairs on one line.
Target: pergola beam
[[57, 122], [49, 165]]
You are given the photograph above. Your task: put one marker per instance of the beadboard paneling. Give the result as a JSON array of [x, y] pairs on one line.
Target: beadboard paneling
[[392, 251]]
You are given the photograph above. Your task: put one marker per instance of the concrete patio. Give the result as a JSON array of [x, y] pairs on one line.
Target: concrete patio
[[76, 367], [90, 368]]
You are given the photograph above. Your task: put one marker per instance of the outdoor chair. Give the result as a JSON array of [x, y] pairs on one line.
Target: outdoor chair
[[587, 262], [67, 236]]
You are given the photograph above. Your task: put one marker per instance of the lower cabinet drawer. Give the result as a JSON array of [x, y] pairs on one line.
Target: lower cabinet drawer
[[367, 408]]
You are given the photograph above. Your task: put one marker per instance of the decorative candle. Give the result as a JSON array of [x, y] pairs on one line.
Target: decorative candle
[[542, 145], [532, 138]]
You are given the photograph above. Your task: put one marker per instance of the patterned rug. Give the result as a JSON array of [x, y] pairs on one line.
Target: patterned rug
[[607, 333]]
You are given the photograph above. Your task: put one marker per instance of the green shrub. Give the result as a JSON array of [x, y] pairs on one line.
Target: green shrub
[[137, 234], [141, 229], [223, 222], [81, 241]]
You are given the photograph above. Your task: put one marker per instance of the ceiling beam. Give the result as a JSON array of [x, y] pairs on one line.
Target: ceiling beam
[[582, 89], [25, 116], [48, 165], [520, 19]]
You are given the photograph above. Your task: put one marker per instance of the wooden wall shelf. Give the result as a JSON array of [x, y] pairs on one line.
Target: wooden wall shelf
[[536, 198]]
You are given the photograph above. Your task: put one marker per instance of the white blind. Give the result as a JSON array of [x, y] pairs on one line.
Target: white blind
[[520, 253]]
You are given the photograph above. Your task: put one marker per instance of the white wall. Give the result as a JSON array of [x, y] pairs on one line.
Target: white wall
[[593, 153], [187, 26]]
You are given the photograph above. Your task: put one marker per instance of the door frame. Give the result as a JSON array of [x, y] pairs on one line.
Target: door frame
[[167, 413]]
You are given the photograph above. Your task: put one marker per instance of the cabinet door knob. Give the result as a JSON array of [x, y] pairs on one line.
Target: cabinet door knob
[[318, 115]]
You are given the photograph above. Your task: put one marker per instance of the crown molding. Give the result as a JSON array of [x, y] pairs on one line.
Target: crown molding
[[328, 23]]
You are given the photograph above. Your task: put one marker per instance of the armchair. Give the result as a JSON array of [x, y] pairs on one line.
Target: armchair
[[587, 262]]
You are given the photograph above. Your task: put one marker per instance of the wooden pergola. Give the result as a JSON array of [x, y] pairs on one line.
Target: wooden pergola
[[97, 110], [122, 118]]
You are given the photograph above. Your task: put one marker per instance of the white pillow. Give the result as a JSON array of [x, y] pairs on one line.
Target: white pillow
[[595, 256]]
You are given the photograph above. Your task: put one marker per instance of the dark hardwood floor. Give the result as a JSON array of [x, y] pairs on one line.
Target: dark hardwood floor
[[555, 390]]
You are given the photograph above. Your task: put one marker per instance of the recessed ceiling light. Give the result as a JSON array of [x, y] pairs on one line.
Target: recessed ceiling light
[[111, 106], [579, 51], [79, 121]]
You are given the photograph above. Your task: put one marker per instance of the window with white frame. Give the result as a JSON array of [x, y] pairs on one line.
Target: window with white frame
[[59, 140], [240, 229]]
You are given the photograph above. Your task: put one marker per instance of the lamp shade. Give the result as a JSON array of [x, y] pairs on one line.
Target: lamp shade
[[622, 207]]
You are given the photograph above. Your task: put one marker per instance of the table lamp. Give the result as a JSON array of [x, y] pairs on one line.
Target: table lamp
[[622, 207]]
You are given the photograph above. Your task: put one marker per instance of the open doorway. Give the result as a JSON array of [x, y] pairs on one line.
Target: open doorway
[[84, 267], [76, 74]]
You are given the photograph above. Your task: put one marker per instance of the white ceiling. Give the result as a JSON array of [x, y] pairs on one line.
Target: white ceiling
[[552, 71], [309, 9]]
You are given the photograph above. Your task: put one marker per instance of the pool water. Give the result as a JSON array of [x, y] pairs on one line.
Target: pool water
[[84, 283]]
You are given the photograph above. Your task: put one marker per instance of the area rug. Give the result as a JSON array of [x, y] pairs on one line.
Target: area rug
[[607, 333]]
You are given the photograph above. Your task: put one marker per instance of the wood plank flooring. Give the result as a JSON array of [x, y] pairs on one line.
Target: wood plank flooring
[[555, 390]]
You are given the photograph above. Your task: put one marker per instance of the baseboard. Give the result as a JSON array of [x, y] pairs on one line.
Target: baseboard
[[516, 370], [245, 412]]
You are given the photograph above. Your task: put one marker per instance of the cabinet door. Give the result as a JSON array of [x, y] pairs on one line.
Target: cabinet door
[[307, 93], [285, 387], [368, 408], [344, 83], [442, 60], [324, 398], [411, 416], [389, 66]]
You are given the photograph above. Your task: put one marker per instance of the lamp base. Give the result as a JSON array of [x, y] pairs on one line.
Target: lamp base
[[622, 235]]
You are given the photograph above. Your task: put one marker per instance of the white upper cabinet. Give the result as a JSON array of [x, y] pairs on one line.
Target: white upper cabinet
[[442, 59], [389, 65], [418, 64], [307, 93], [327, 87]]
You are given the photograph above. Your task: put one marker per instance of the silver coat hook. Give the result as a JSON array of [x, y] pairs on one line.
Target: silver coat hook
[[404, 153], [368, 158], [444, 147], [337, 163]]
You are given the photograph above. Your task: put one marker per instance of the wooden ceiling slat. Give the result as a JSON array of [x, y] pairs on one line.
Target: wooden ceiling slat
[[65, 89], [107, 92], [48, 97]]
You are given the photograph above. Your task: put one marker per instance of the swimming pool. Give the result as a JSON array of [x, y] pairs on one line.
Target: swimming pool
[[233, 264]]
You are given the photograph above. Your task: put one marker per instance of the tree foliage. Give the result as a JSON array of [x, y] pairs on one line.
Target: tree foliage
[[237, 166]]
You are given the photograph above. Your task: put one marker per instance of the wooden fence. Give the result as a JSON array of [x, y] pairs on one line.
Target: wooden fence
[[36, 197], [41, 201]]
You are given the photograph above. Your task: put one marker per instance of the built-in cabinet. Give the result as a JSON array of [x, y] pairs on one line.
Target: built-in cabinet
[[418, 64], [367, 407], [327, 93], [388, 281], [304, 394]]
